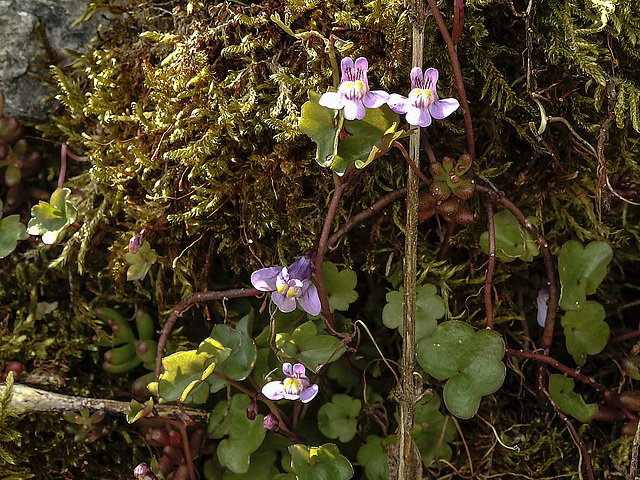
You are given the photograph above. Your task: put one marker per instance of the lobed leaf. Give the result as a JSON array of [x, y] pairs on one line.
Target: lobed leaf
[[581, 270], [470, 360], [561, 390]]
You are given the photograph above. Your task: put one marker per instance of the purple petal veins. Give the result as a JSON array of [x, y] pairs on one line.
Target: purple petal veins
[[289, 285], [353, 93], [296, 385], [423, 101]]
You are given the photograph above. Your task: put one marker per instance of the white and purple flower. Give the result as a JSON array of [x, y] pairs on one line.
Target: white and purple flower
[[423, 101], [295, 386], [543, 304], [353, 94], [289, 284]]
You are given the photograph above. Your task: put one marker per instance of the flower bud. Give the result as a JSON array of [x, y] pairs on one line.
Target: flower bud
[[270, 421], [135, 243], [252, 409]]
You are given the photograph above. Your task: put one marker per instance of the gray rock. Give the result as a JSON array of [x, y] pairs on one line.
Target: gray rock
[[22, 54]]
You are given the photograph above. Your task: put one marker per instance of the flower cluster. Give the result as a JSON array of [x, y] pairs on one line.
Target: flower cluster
[[354, 95], [295, 386], [289, 284]]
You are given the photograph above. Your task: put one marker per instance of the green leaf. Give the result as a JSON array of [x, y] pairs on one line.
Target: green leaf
[[340, 286], [321, 125], [11, 232], [428, 432], [373, 457], [240, 436], [472, 361], [512, 241], [429, 308], [185, 373], [364, 134], [339, 418], [319, 463], [383, 145], [307, 347], [586, 331], [240, 362], [561, 390], [48, 219], [581, 271], [140, 262]]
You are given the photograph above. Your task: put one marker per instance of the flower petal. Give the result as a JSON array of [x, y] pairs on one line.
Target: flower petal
[[331, 100], [300, 269], [274, 390], [443, 108], [285, 303], [265, 278], [309, 393], [398, 103], [346, 66], [299, 370], [310, 301], [418, 116], [362, 64], [431, 79], [417, 79], [354, 110], [375, 98], [287, 368]]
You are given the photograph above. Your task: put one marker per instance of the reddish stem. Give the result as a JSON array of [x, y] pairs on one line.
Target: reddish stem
[[184, 305], [457, 75]]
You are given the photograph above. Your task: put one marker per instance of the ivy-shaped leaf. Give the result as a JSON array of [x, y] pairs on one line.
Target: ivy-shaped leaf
[[512, 241], [428, 433], [321, 125], [364, 134], [185, 373], [240, 436], [11, 232], [586, 331], [340, 286], [240, 362], [581, 271], [306, 346], [48, 219], [263, 465], [472, 361], [319, 463], [140, 262], [383, 145], [339, 418], [373, 457], [429, 308], [561, 390]]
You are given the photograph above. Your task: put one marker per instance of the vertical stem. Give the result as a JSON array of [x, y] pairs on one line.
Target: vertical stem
[[488, 283], [406, 467]]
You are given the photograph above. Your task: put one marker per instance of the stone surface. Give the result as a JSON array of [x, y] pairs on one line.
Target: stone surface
[[22, 54]]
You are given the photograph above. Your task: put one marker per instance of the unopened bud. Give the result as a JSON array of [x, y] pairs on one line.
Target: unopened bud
[[252, 409], [270, 421], [135, 243]]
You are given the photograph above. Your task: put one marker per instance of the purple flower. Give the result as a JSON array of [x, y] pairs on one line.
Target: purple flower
[[295, 386], [423, 102], [353, 93], [270, 421], [288, 285], [143, 472]]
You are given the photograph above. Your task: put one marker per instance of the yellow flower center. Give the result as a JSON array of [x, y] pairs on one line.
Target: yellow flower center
[[352, 89], [292, 386]]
